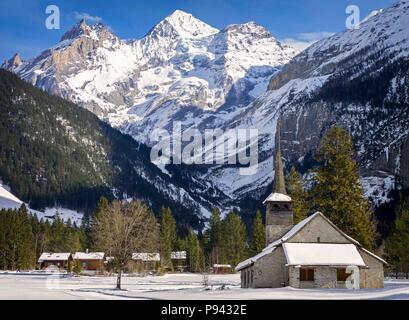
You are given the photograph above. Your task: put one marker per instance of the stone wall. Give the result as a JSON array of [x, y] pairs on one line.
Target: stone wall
[[279, 220], [374, 276], [319, 228], [324, 277], [275, 232], [270, 270]]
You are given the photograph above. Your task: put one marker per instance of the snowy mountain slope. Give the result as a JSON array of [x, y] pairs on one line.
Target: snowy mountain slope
[[188, 71], [357, 78], [10, 201], [183, 70]]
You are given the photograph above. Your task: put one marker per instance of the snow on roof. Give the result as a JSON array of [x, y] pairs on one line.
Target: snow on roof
[[221, 266], [145, 256], [317, 254], [89, 256], [178, 255], [251, 260], [373, 255], [277, 197], [46, 256]]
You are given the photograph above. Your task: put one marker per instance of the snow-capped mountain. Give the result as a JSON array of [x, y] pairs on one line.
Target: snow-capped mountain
[[188, 71], [181, 62]]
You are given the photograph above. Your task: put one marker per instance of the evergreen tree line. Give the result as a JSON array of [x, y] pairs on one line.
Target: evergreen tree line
[[23, 237]]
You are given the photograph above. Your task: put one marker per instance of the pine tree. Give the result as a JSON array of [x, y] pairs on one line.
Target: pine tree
[[396, 245], [101, 206], [337, 192], [298, 195], [77, 267], [24, 244], [57, 242], [259, 235], [234, 239], [168, 236], [194, 253], [215, 236], [88, 237]]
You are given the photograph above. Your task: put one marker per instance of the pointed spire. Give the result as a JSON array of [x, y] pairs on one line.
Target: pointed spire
[[279, 182]]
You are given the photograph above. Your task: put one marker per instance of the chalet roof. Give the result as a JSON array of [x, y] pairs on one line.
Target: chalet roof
[[277, 197], [145, 256], [48, 256], [178, 255], [291, 233], [216, 265], [89, 256], [318, 254]]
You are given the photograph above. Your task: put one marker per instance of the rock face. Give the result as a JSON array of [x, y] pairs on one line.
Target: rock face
[[13, 63]]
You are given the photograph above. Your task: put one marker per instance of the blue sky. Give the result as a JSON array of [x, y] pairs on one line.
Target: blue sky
[[22, 22]]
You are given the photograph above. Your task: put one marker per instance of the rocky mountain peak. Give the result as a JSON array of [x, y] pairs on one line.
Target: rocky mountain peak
[[251, 28], [183, 24], [94, 31], [79, 29], [13, 63]]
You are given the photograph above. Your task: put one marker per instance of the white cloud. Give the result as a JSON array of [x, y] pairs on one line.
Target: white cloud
[[302, 41], [88, 18], [314, 36], [296, 44]]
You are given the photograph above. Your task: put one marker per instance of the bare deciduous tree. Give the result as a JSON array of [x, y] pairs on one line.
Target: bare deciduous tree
[[122, 229]]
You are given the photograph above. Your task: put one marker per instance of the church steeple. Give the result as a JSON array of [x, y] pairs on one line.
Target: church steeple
[[279, 213], [279, 181]]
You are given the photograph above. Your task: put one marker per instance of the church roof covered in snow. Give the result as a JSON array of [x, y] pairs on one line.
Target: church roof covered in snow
[[292, 232], [318, 254]]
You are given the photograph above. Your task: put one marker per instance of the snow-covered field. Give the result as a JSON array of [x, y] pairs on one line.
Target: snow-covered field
[[174, 286]]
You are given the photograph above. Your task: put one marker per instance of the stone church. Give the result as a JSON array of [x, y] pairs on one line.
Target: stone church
[[312, 254]]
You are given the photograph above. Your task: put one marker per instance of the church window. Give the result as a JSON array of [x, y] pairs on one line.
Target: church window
[[306, 274]]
